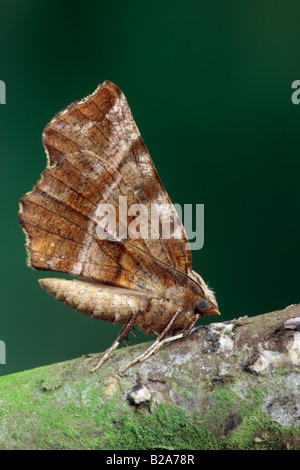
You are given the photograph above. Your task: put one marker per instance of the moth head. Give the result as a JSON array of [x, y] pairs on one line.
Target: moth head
[[207, 309], [208, 305]]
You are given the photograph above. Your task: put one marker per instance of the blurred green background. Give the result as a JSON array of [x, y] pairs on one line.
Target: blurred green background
[[209, 85]]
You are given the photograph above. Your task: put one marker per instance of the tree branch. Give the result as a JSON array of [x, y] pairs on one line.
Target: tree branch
[[230, 385]]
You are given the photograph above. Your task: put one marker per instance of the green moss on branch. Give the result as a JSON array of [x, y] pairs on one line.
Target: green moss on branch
[[208, 391]]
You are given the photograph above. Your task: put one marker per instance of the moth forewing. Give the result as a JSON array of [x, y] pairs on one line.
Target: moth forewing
[[97, 156]]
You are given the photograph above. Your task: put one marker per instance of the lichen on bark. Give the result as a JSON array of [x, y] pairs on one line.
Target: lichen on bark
[[229, 385]]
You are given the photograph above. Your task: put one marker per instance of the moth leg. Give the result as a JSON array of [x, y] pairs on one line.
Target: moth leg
[[190, 328], [185, 333], [157, 343], [122, 335]]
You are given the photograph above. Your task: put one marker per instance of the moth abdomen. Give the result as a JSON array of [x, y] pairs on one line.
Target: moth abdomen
[[100, 302]]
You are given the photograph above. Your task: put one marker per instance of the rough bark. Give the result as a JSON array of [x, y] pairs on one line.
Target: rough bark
[[230, 385]]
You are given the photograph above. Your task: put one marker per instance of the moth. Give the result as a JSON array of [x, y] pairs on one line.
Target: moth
[[95, 156]]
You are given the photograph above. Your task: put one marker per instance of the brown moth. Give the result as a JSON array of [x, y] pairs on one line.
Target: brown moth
[[95, 155]]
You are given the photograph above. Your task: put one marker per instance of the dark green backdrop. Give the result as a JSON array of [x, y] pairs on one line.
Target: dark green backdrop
[[209, 84]]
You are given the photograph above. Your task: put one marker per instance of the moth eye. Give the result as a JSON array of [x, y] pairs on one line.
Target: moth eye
[[202, 304]]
